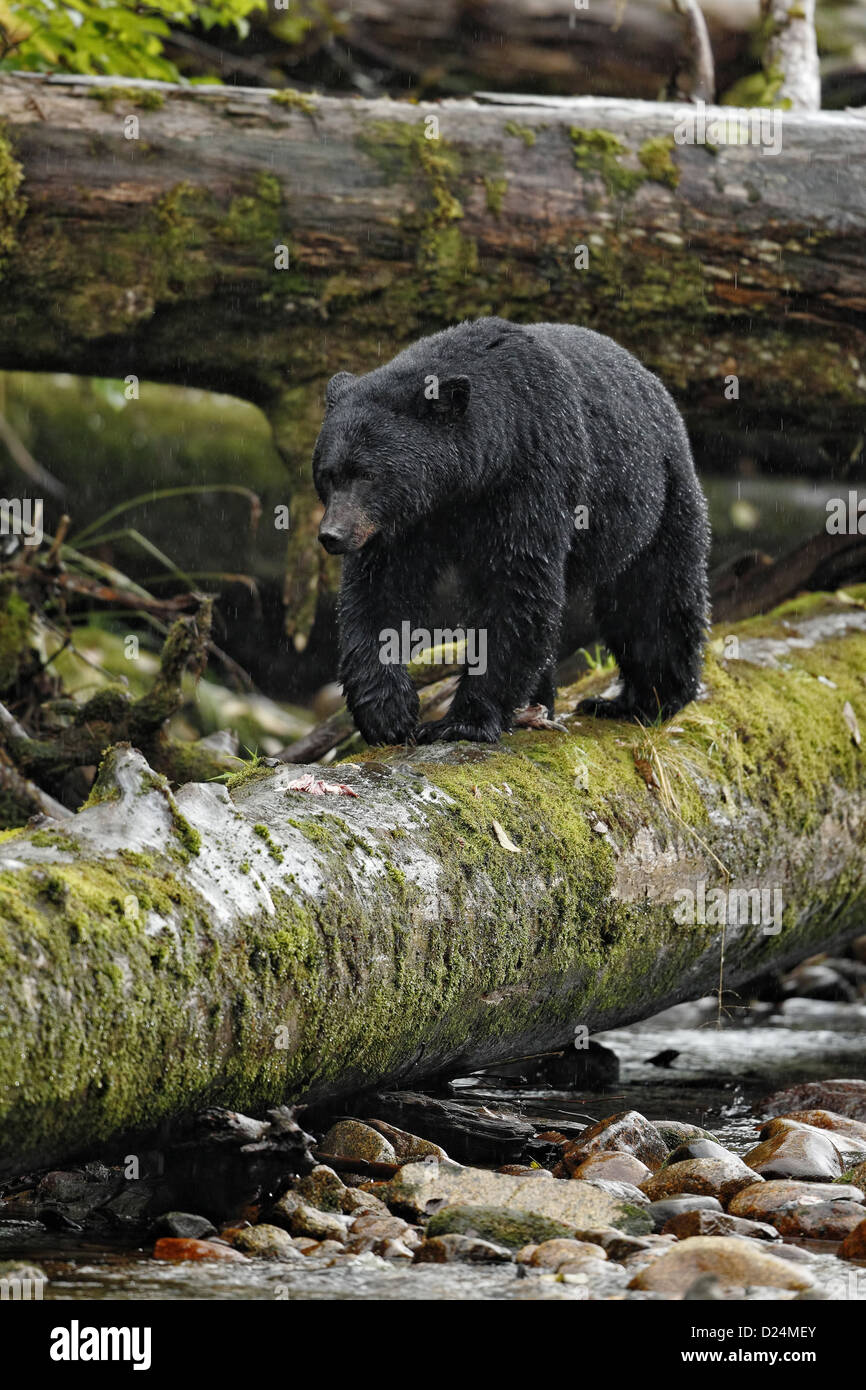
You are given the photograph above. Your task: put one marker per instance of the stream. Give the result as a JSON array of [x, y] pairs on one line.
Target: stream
[[720, 1072]]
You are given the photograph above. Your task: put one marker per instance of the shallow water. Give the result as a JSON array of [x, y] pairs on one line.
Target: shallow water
[[720, 1073]]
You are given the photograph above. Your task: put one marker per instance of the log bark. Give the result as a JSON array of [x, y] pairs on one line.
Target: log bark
[[255, 944], [155, 255], [736, 274], [454, 46]]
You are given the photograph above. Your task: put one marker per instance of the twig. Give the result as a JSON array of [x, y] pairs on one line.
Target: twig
[[698, 67], [23, 459]]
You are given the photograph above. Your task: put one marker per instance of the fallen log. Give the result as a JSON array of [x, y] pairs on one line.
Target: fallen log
[[155, 255], [248, 945]]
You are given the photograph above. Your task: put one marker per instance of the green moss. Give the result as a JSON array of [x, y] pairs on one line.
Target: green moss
[[432, 168], [601, 152], [12, 204], [296, 101], [495, 191], [137, 1018], [656, 156], [54, 839], [758, 89], [273, 848], [526, 133], [14, 623], [144, 98]]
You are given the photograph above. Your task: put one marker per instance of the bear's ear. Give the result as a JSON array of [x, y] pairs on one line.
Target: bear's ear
[[338, 386], [453, 398]]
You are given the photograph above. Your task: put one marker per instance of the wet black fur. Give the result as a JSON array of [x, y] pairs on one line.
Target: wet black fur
[[483, 483]]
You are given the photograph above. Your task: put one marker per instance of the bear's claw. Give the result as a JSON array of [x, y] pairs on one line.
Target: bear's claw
[[446, 730]]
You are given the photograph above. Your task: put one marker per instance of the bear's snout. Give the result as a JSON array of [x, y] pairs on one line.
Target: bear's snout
[[334, 542]]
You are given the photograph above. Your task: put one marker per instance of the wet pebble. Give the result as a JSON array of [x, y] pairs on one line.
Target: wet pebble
[[406, 1146], [806, 1155], [717, 1223], [453, 1248], [763, 1201], [843, 1097], [178, 1248], [853, 1246], [270, 1242], [665, 1208], [378, 1232], [732, 1262], [676, 1132], [820, 1220], [627, 1132], [297, 1217], [182, 1223], [354, 1139], [552, 1254], [721, 1178], [616, 1167]]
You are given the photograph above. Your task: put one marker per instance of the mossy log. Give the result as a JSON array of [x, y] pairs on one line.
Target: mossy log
[[250, 944], [155, 255]]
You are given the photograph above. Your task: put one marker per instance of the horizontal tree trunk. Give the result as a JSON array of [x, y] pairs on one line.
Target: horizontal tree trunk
[[156, 255], [259, 943], [552, 46], [735, 273]]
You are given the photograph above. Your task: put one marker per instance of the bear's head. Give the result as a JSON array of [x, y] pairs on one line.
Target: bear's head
[[387, 453]]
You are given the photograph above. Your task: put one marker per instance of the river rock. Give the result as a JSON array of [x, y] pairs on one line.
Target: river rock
[[457, 1249], [821, 1119], [620, 1247], [721, 1178], [850, 1147], [764, 1200], [845, 1097], [182, 1223], [624, 1191], [697, 1148], [662, 1211], [857, 1177], [853, 1246], [618, 1167], [627, 1132], [324, 1250], [820, 1220], [733, 1262], [551, 1254], [676, 1132], [297, 1217], [322, 1188], [422, 1187], [405, 1145], [717, 1223], [269, 1242], [177, 1248], [354, 1139], [16, 1275], [378, 1232], [806, 1155], [355, 1202], [500, 1225]]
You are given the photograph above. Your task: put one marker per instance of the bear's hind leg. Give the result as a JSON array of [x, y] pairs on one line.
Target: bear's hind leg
[[654, 619]]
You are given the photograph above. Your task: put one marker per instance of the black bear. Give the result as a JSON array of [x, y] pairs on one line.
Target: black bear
[[523, 462]]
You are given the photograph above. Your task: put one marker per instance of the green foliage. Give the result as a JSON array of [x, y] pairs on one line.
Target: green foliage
[[108, 36]]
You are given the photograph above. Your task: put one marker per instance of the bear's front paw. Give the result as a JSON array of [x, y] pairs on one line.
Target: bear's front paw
[[389, 722], [449, 730]]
